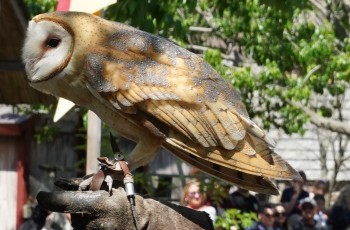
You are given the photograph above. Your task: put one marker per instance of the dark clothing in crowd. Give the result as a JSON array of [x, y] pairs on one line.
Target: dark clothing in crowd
[[304, 226], [37, 220], [260, 226], [287, 196], [243, 203], [339, 218]]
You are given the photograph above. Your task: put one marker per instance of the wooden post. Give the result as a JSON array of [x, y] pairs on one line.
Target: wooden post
[[93, 142]]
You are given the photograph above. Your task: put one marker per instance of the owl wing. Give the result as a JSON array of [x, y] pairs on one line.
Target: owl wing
[[137, 72]]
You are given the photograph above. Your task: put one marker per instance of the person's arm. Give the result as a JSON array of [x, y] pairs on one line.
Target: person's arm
[[290, 204]]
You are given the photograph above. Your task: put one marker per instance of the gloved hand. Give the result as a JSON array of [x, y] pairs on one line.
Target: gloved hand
[[99, 210]]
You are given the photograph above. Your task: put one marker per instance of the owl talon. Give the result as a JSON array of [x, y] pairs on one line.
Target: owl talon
[[109, 181]]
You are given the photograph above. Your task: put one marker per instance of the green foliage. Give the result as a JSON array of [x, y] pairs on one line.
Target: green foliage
[[46, 133], [40, 6], [213, 57], [298, 58], [165, 18], [23, 109], [149, 185], [215, 189], [106, 147], [47, 130], [234, 217]]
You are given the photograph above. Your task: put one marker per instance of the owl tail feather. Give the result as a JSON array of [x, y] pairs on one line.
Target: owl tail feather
[[260, 184], [252, 172]]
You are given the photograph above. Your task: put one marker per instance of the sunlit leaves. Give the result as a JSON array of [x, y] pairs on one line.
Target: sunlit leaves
[[325, 111], [166, 18], [213, 57], [40, 6], [237, 218]]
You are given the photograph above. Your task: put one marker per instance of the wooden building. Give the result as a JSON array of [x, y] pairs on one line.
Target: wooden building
[[15, 134], [14, 88], [15, 131]]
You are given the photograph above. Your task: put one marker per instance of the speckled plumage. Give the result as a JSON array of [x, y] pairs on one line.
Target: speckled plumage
[[153, 92]]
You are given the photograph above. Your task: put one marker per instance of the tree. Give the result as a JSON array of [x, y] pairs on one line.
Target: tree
[[289, 59]]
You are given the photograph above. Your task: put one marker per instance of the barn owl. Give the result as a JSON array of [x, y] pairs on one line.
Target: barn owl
[[154, 93]]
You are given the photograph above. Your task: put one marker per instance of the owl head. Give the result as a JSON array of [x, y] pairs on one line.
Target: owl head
[[57, 43]]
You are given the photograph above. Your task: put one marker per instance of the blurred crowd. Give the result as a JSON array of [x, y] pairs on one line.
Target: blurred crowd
[[297, 208]]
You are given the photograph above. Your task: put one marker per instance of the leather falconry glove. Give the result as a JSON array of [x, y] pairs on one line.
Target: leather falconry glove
[[102, 210]]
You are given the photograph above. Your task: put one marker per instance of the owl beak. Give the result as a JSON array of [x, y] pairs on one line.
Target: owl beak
[[31, 70]]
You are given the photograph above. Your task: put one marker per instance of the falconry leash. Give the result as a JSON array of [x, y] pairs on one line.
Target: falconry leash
[[115, 169]]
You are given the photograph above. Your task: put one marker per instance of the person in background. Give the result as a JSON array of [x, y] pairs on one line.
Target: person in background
[[37, 220], [280, 216], [321, 214], [266, 217], [243, 201], [308, 209], [339, 215], [319, 187], [291, 197], [192, 197], [42, 219]]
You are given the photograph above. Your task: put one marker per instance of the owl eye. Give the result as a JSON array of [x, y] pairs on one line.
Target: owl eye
[[53, 42]]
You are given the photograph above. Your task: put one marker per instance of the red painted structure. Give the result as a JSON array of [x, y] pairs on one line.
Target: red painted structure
[[15, 135]]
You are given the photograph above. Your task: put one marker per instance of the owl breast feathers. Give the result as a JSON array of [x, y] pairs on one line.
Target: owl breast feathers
[[153, 92]]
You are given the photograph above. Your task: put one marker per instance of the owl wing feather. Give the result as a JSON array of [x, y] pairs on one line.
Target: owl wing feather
[[143, 67], [137, 72]]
